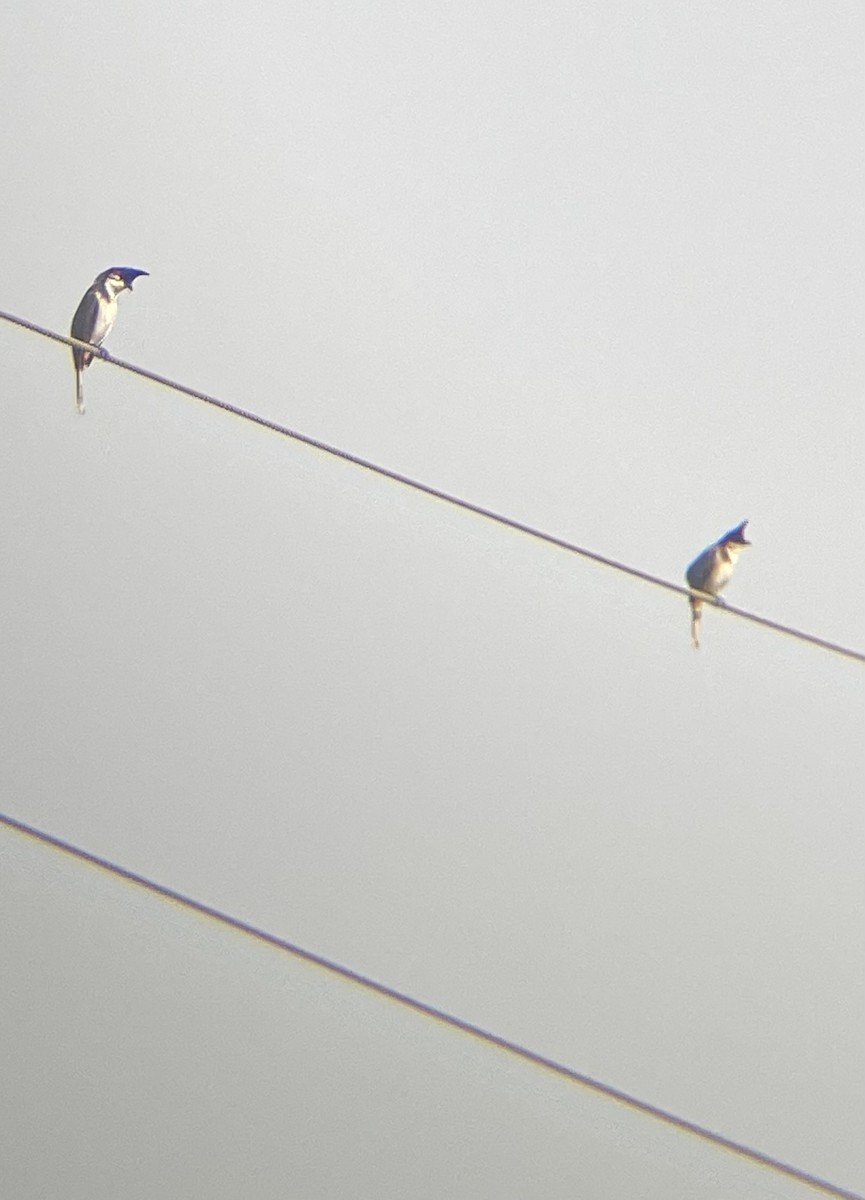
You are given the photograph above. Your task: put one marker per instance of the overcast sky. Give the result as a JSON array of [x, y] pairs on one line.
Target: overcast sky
[[598, 265]]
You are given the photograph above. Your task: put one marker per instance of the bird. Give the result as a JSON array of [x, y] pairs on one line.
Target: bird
[[95, 315], [710, 572]]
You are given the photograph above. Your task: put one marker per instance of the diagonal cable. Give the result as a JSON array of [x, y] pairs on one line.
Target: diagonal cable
[[429, 1010], [427, 489]]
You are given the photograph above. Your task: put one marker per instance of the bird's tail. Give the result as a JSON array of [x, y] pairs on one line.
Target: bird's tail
[[696, 614], [79, 389]]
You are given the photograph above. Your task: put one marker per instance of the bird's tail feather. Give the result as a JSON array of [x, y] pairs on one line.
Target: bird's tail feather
[[79, 390], [696, 614]]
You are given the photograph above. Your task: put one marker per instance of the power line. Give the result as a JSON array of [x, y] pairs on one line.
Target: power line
[[427, 489], [347, 973], [429, 1010]]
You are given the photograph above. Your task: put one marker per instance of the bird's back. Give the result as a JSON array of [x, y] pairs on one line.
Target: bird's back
[[93, 318], [699, 574]]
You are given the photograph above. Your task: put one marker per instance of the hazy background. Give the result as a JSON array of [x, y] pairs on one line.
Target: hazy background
[[598, 265]]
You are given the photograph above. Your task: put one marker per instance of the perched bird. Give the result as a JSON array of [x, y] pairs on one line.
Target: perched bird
[[711, 572], [95, 315]]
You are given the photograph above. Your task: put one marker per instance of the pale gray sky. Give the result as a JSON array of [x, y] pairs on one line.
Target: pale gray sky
[[598, 265]]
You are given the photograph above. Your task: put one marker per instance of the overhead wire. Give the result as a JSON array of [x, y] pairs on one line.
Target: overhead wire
[[437, 493], [346, 973], [383, 990]]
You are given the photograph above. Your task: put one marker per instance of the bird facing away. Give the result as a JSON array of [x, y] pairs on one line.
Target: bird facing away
[[95, 315], [711, 571]]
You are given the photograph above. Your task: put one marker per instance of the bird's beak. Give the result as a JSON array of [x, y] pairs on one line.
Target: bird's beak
[[132, 275]]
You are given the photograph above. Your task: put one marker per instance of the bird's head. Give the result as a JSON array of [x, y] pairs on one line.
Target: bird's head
[[735, 539], [119, 279]]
